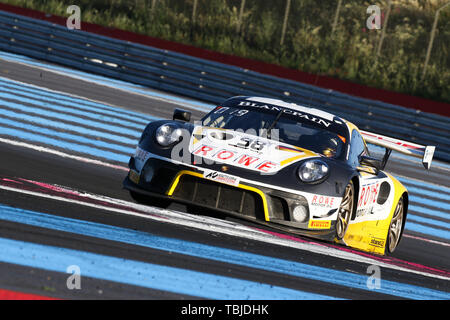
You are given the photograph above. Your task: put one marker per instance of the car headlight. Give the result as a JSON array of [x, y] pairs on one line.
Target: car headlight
[[313, 171], [167, 134]]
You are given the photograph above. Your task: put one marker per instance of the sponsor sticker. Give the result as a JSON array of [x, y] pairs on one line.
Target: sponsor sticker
[[322, 201], [134, 176], [140, 155], [243, 150], [367, 199], [377, 242], [221, 177], [319, 224], [368, 195], [235, 157]]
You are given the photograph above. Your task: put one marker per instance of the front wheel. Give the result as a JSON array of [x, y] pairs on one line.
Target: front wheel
[[345, 211], [395, 228]]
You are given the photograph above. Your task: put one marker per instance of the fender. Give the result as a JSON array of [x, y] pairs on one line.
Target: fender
[[371, 235]]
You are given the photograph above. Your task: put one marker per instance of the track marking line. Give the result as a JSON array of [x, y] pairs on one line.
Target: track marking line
[[63, 154], [427, 240]]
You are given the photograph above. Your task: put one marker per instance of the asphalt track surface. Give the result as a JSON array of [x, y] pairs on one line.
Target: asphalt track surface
[[65, 138]]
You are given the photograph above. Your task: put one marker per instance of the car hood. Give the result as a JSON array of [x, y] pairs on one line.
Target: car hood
[[235, 148]]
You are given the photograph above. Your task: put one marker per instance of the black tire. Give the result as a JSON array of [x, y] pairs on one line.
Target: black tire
[[396, 227], [150, 201], [345, 211]]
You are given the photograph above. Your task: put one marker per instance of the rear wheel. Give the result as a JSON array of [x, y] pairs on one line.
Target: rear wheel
[[395, 228], [345, 211], [151, 201]]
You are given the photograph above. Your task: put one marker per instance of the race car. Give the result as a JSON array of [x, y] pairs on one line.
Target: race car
[[291, 167]]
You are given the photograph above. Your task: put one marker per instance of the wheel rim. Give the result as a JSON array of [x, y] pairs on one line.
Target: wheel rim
[[396, 226], [345, 212]]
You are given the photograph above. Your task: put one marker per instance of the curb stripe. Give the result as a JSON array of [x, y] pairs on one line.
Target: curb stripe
[[147, 275], [214, 253], [38, 111], [64, 96], [96, 107], [67, 136], [14, 295], [411, 226], [65, 126], [67, 108], [64, 145]]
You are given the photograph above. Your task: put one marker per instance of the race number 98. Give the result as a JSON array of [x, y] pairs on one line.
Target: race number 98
[[247, 143]]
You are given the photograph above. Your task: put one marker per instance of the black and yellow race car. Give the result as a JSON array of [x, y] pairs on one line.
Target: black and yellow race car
[[295, 168]]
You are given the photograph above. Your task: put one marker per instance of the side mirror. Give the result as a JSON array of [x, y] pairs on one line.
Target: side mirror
[[371, 162], [182, 115]]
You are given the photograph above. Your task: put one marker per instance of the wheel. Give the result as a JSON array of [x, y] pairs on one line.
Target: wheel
[[345, 211], [147, 200], [395, 228]]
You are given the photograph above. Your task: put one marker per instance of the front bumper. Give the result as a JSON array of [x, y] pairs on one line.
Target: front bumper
[[187, 185]]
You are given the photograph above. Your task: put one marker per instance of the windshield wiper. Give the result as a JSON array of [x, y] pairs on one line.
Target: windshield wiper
[[272, 125]]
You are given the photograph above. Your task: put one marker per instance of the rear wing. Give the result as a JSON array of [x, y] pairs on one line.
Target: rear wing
[[424, 152]]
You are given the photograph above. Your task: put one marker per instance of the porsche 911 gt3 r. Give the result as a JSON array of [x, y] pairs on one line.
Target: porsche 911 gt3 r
[[295, 168]]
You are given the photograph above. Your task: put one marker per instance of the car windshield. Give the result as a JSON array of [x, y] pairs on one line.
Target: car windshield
[[278, 126]]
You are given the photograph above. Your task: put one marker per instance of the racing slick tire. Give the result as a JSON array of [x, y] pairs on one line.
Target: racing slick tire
[[151, 201], [396, 226], [345, 211]]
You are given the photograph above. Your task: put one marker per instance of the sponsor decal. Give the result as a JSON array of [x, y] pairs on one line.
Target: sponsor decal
[[322, 201], [246, 160], [266, 166], [134, 176], [319, 224], [236, 158], [364, 211], [203, 150], [245, 151], [221, 177], [292, 112], [367, 199], [140, 155], [368, 195], [377, 242]]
